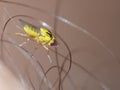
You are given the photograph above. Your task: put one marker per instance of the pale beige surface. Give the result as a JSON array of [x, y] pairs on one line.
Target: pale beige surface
[[8, 80], [98, 64]]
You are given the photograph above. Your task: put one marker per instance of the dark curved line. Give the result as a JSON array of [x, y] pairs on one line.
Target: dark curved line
[[3, 30], [57, 7], [2, 34], [27, 6], [53, 67], [65, 59]]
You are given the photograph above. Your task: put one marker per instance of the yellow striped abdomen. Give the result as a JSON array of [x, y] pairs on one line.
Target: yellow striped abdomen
[[30, 30]]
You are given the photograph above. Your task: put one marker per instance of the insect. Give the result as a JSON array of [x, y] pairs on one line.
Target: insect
[[41, 35]]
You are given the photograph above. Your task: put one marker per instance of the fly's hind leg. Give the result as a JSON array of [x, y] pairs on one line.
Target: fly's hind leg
[[23, 35]]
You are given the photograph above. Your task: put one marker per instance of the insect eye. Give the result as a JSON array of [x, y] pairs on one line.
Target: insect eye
[[53, 43]]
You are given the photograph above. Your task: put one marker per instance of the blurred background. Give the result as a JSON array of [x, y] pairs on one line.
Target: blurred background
[[87, 32]]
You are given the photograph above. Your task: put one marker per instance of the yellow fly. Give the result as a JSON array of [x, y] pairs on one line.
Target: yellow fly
[[41, 35]]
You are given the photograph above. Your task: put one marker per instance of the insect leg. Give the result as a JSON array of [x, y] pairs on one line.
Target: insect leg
[[48, 55], [23, 43], [23, 35]]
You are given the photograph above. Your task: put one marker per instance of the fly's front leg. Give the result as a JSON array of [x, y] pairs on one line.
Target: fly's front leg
[[48, 55], [23, 43], [23, 35]]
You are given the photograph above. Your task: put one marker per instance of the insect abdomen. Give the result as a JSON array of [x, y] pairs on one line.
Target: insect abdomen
[[30, 30]]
